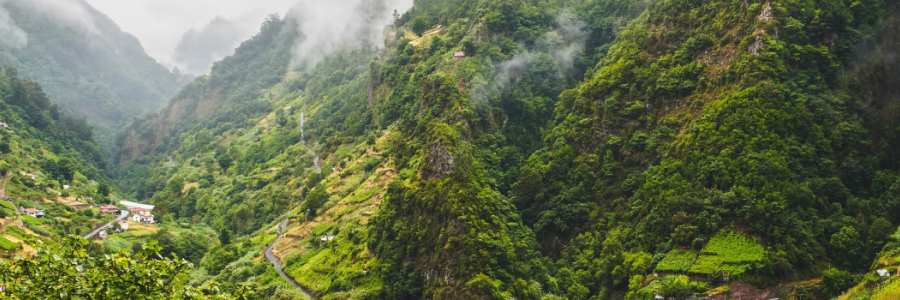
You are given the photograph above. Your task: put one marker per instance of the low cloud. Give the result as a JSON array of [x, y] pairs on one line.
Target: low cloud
[[199, 49], [74, 13], [329, 25], [10, 34]]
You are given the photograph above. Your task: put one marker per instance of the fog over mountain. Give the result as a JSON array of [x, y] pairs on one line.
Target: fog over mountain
[[199, 49]]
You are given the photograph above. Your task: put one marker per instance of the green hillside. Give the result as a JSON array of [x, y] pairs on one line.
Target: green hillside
[[547, 150], [87, 65]]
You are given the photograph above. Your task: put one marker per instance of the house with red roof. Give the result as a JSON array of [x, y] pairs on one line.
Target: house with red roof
[[108, 209]]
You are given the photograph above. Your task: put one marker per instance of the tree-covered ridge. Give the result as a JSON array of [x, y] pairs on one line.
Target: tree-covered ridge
[[88, 66], [709, 137], [719, 114], [40, 139]]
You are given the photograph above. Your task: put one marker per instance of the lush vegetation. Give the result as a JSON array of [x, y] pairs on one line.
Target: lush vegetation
[[728, 253], [577, 147], [43, 141], [72, 273]]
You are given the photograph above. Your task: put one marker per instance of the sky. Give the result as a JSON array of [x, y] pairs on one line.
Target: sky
[[159, 27]]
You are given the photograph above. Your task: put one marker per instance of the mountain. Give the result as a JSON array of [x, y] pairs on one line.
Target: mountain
[[85, 63], [537, 150]]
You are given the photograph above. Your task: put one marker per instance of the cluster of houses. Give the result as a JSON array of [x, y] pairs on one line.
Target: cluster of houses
[[138, 214]]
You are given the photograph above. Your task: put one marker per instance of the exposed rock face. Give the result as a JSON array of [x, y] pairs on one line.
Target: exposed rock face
[[438, 160], [758, 44]]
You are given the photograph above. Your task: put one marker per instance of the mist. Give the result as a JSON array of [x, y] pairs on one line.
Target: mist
[[73, 13], [199, 49], [329, 25], [564, 45], [10, 34]]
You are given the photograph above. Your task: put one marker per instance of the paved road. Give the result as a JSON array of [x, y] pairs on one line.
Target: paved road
[[277, 264], [281, 229], [107, 225]]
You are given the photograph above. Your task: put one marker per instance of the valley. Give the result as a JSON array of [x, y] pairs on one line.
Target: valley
[[472, 149]]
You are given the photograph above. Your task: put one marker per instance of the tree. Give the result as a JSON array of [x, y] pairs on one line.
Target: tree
[[225, 236], [847, 248], [835, 281], [418, 25], [71, 273], [5, 147], [103, 189]]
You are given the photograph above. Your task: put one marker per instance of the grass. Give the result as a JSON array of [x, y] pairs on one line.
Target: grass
[[677, 260], [8, 205], [8, 245], [347, 210], [32, 220], [730, 253], [321, 229], [363, 196]]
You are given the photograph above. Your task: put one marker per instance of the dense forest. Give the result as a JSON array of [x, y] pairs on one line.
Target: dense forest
[[523, 149]]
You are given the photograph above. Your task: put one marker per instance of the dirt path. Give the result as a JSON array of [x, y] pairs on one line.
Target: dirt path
[[107, 225], [6, 179]]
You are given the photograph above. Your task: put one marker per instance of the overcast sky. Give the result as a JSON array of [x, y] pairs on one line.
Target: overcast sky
[[159, 24]]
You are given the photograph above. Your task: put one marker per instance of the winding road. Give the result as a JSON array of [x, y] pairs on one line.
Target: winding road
[[277, 264], [281, 229], [107, 225]]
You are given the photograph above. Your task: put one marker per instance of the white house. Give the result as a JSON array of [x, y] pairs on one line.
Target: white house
[[65, 186], [34, 212], [123, 225], [136, 218]]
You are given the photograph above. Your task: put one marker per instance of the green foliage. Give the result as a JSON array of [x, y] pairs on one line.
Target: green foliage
[[362, 196], [116, 276], [835, 282], [728, 252], [8, 245], [418, 25], [847, 248], [32, 220], [677, 261]]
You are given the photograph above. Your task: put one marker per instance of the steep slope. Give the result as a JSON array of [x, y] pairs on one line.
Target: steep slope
[[712, 117], [85, 63], [237, 169], [711, 138]]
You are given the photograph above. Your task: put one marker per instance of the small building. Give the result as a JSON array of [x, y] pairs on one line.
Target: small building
[[20, 224], [140, 211], [65, 186], [123, 225], [459, 55], [34, 212], [101, 235], [147, 219], [884, 273], [108, 209], [439, 27], [136, 218], [4, 125]]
